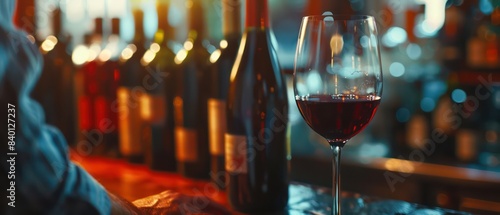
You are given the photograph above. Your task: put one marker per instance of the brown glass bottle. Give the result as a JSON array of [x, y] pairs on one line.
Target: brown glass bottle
[[160, 88], [130, 91], [54, 89], [223, 60], [106, 117], [190, 103], [257, 106]]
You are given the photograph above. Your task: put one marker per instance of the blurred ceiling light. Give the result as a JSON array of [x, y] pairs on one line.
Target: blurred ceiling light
[[180, 56], [155, 47], [458, 96], [336, 44], [397, 69], [364, 41], [128, 52], [105, 55], [314, 82], [148, 57], [434, 15], [215, 56], [223, 44], [80, 55], [49, 44], [427, 104], [485, 6], [188, 45], [94, 51], [394, 36], [413, 51]]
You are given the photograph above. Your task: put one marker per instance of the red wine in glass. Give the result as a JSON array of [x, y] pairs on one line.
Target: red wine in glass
[[338, 117]]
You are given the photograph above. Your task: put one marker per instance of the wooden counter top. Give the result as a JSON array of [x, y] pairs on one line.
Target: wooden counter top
[[133, 182]]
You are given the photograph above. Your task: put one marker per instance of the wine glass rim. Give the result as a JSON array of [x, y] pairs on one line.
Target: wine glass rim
[[339, 17]]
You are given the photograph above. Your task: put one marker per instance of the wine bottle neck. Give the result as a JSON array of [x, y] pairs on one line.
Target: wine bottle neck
[[56, 22], [115, 26], [196, 20], [257, 14], [97, 36], [139, 27], [231, 17], [163, 24]]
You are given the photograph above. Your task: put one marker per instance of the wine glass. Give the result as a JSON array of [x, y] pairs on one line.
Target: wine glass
[[337, 80]]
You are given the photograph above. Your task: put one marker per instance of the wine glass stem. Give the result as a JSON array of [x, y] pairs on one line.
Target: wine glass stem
[[336, 179]]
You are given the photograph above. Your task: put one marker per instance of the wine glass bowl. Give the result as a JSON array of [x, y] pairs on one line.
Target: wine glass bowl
[[337, 79]]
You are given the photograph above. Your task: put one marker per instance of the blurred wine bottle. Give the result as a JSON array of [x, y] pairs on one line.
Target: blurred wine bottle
[[223, 60], [489, 149], [257, 112], [97, 87], [446, 120], [54, 89], [483, 46], [90, 138], [453, 35], [106, 118], [157, 105], [191, 124], [418, 126], [130, 92]]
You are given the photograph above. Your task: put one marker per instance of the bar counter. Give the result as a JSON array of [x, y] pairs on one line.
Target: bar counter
[[132, 182]]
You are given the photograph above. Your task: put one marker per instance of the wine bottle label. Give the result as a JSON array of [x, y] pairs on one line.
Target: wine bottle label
[[185, 144], [153, 109], [216, 125], [129, 119], [236, 153]]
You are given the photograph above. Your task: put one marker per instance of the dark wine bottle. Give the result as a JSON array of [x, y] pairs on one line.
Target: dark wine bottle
[[160, 87], [257, 106], [106, 119], [129, 94], [191, 124], [83, 93], [223, 60], [54, 89], [95, 91]]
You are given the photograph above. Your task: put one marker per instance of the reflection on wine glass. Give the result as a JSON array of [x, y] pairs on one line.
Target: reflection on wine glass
[[337, 80]]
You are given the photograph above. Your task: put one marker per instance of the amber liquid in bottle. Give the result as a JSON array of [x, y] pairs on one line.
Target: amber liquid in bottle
[[257, 106]]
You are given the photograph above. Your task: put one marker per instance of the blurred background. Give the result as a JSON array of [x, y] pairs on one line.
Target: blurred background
[[435, 139]]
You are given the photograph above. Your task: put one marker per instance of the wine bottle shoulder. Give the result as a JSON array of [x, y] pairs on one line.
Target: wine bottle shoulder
[[257, 87], [258, 63]]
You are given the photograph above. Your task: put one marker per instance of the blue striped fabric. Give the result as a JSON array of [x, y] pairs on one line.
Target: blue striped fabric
[[47, 182]]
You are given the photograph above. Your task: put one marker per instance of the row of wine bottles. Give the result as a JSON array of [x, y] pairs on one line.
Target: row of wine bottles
[[219, 114]]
